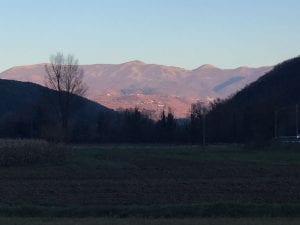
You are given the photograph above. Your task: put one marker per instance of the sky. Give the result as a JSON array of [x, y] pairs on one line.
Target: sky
[[184, 33]]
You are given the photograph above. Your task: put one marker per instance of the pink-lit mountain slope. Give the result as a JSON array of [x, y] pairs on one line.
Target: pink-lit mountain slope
[[150, 86]]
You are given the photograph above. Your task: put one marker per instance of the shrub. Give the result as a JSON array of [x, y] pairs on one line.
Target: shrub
[[29, 152]]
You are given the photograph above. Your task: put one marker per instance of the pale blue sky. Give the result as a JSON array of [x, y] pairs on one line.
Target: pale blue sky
[[185, 33]]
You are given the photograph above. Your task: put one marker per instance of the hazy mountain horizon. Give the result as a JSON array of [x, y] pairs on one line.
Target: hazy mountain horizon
[[137, 61], [151, 86]]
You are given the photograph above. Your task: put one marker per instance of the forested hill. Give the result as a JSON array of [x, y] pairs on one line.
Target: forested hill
[[250, 114], [16, 95], [24, 104]]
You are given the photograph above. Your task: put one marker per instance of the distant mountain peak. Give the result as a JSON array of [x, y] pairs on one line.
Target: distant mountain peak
[[206, 67], [136, 62]]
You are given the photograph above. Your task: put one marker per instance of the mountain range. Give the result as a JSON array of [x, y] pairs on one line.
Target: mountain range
[[150, 86]]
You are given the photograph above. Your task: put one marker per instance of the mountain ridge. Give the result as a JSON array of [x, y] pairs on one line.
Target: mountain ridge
[[150, 86], [206, 65]]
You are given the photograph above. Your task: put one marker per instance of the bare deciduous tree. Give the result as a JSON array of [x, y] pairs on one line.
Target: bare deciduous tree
[[65, 76]]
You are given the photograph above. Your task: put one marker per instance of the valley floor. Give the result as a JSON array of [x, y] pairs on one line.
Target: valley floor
[[150, 181], [108, 221]]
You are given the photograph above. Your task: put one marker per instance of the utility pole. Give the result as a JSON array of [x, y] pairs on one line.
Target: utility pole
[[297, 120], [203, 130]]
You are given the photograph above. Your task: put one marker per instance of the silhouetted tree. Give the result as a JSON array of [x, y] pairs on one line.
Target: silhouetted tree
[[166, 126], [64, 75], [199, 111]]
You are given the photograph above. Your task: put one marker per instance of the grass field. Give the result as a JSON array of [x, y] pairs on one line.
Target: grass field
[[157, 181], [107, 221]]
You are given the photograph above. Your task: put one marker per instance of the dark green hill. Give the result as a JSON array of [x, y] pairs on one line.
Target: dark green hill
[[26, 107], [249, 115]]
